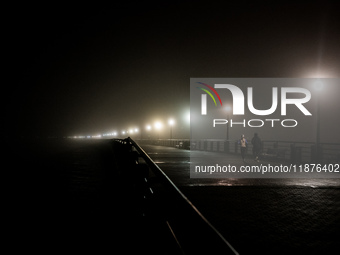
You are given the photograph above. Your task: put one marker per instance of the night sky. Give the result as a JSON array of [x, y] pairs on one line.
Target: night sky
[[91, 68]]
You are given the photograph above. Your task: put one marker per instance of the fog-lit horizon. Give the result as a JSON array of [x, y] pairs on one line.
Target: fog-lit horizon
[[89, 70]]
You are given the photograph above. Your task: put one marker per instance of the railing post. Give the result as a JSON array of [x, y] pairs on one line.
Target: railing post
[[193, 232], [316, 153], [292, 153], [226, 147], [295, 154]]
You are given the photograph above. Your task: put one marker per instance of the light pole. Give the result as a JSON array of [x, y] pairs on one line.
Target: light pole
[[318, 88], [136, 131], [158, 126], [148, 128], [171, 123]]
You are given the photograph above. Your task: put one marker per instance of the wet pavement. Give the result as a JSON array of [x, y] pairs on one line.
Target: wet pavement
[[267, 216], [176, 164], [71, 195]]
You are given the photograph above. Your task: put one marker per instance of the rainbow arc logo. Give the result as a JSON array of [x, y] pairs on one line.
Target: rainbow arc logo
[[209, 93]]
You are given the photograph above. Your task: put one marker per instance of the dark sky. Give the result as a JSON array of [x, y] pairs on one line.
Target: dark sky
[[91, 68]]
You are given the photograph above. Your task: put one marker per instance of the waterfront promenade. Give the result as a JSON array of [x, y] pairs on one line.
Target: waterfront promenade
[[77, 194], [266, 216]]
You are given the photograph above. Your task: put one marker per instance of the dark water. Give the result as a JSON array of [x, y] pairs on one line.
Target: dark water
[[70, 195]]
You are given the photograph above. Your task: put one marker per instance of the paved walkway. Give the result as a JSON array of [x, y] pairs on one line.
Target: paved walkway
[[176, 164], [74, 196], [261, 216]]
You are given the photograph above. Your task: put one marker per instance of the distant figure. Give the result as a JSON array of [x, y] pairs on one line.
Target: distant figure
[[257, 146], [243, 142]]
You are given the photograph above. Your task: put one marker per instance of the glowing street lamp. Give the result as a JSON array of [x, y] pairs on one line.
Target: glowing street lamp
[[318, 85], [148, 128], [171, 123], [158, 126], [136, 130]]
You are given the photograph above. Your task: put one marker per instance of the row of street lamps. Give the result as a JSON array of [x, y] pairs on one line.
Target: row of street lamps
[[158, 125]]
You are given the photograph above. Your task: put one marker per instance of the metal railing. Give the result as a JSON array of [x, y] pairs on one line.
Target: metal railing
[[193, 233], [293, 151]]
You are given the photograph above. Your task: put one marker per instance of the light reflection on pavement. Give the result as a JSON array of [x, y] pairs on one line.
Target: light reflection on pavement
[[176, 164]]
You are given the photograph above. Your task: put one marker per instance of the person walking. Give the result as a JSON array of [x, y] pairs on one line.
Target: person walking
[[243, 142], [257, 146]]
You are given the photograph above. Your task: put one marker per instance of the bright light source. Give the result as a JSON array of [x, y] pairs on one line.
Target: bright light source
[[319, 74], [148, 127], [136, 130], [171, 122], [123, 132], [114, 133], [131, 131], [187, 117], [158, 125]]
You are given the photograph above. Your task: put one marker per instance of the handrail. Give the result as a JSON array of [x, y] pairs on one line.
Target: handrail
[[216, 240], [297, 151]]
